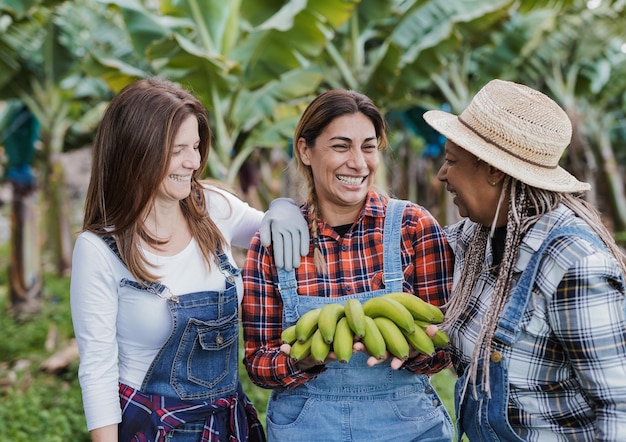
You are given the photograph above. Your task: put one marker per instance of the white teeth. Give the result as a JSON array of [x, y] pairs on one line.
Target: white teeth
[[180, 178], [350, 180]]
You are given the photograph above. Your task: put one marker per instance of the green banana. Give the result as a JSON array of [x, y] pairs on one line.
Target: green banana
[[343, 341], [440, 340], [356, 316], [288, 335], [300, 350], [419, 308], [373, 339], [437, 314], [394, 338], [319, 347], [389, 308], [307, 324], [420, 341], [327, 321]]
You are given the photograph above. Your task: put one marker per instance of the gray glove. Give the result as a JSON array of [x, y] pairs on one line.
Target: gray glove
[[284, 227]]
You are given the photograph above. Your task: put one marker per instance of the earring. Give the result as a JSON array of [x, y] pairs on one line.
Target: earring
[[493, 183]]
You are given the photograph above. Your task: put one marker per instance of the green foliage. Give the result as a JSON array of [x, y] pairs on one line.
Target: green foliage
[[37, 405]]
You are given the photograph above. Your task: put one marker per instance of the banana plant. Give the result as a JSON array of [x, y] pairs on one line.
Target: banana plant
[[249, 61], [543, 48], [44, 74]]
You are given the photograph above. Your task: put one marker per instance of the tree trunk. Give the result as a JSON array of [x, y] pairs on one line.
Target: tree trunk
[[25, 268]]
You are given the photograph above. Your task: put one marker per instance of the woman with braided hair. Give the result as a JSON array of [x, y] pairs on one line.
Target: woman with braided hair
[[536, 314], [364, 245]]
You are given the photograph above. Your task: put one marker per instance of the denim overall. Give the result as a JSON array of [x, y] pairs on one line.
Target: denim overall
[[484, 418], [199, 359], [354, 402]]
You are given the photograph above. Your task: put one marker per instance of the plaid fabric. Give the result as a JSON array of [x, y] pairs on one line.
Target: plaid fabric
[[355, 265], [149, 417], [567, 372]]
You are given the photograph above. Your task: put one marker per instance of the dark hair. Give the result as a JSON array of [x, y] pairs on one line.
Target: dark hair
[[325, 108], [335, 103], [131, 155]]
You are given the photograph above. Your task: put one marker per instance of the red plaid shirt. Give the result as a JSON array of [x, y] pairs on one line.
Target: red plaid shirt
[[355, 265]]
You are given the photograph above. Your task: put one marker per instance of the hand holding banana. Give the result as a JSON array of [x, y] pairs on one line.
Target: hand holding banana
[[397, 324]]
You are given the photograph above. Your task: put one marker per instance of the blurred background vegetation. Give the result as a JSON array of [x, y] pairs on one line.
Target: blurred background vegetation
[[256, 64]]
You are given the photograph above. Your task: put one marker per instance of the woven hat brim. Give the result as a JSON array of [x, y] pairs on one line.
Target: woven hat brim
[[554, 179]]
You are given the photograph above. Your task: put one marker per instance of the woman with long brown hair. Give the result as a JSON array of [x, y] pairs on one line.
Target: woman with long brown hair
[[155, 289]]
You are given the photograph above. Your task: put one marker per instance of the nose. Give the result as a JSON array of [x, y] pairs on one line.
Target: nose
[[192, 159], [357, 160], [442, 173]]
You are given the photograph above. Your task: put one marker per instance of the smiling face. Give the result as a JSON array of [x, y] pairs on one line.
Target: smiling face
[[184, 160], [474, 184], [343, 161]]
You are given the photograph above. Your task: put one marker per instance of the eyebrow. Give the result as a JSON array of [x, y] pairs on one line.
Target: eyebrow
[[185, 144], [349, 139]]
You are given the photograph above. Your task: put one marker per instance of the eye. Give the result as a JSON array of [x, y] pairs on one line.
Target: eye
[[341, 147]]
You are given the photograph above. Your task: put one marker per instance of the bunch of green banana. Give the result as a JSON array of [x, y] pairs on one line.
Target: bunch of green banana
[[393, 322]]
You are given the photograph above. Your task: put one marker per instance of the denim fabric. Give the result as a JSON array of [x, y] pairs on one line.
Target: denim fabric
[[484, 418], [354, 402], [199, 360]]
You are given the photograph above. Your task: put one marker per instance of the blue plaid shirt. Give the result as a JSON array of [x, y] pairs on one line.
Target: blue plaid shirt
[[567, 372]]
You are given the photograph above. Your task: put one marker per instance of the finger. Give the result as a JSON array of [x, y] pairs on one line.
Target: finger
[[431, 330], [304, 242], [287, 251], [295, 251], [359, 346], [396, 363], [266, 237], [278, 248], [285, 348]]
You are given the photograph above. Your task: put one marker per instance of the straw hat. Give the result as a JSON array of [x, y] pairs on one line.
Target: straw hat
[[516, 129]]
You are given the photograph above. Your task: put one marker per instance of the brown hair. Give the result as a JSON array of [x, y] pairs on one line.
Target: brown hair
[[131, 154], [325, 108]]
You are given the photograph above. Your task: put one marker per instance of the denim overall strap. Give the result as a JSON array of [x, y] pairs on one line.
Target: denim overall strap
[[393, 276], [287, 286], [153, 287], [508, 329]]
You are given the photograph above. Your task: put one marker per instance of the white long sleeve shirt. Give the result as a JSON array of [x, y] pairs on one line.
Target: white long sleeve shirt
[[119, 330]]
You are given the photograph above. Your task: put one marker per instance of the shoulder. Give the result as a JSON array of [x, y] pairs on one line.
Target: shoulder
[[576, 251], [460, 233], [89, 242], [223, 203]]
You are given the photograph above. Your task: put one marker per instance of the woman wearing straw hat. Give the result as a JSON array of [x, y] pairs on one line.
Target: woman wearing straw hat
[[536, 314]]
